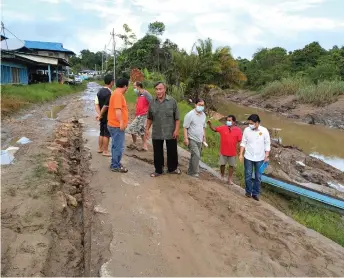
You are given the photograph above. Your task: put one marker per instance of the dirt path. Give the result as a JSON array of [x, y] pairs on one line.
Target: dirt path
[[133, 225], [180, 226]]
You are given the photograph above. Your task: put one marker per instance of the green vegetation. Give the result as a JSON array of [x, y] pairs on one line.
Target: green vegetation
[[312, 73], [14, 97]]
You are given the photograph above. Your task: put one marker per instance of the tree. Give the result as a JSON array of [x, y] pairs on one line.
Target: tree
[[156, 28]]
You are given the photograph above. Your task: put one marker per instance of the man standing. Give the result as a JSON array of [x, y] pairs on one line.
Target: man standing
[[256, 144], [117, 122], [163, 114], [230, 136], [194, 135], [137, 127], [102, 102]]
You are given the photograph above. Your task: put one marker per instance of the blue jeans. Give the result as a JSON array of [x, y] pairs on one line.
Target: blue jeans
[[248, 176], [117, 146]]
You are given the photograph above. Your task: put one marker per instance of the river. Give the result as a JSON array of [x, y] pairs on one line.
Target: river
[[319, 141]]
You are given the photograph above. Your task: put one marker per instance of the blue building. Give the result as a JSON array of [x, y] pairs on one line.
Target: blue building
[[36, 62]]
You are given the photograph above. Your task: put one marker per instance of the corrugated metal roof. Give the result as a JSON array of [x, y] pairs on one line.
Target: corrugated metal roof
[[39, 59], [53, 46]]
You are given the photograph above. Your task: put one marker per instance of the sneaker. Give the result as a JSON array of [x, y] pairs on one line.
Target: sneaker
[[248, 195], [255, 197]]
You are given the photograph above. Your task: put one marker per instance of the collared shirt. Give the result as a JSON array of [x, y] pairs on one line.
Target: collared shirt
[[163, 116], [256, 142], [195, 124], [230, 137]]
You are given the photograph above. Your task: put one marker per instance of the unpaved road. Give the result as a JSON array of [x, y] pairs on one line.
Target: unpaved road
[[135, 225]]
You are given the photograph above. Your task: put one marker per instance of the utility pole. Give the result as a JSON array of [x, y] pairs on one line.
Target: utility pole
[[103, 52], [114, 53]]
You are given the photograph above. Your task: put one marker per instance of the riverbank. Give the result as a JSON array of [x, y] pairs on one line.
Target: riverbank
[[285, 164], [331, 115], [15, 97]]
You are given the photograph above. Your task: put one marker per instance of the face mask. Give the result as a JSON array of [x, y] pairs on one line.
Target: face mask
[[199, 108], [136, 90], [252, 126], [229, 123]]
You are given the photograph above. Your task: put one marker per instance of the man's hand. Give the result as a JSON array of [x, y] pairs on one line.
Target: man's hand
[[121, 126], [266, 159], [97, 118], [186, 141], [175, 134], [241, 158], [209, 122], [147, 134]]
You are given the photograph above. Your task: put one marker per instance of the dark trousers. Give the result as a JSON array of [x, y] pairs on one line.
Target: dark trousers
[[172, 155]]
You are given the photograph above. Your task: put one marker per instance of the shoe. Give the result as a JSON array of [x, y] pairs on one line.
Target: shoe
[[255, 197], [248, 195]]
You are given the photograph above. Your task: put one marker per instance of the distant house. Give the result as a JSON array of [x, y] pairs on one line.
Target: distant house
[[36, 62]]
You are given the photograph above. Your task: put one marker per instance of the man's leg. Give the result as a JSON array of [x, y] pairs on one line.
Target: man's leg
[[134, 137], [232, 165], [257, 179], [106, 139], [195, 150], [100, 139], [222, 162], [248, 176], [158, 150], [172, 155], [116, 148]]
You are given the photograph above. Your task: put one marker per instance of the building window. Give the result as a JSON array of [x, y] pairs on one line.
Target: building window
[[15, 75], [51, 53]]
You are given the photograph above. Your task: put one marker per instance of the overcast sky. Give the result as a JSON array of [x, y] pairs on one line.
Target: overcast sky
[[244, 25]]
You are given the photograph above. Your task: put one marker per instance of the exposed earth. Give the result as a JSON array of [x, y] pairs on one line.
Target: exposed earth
[[330, 115], [64, 213]]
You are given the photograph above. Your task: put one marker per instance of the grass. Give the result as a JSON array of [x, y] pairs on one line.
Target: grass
[[15, 97], [313, 216], [324, 92]]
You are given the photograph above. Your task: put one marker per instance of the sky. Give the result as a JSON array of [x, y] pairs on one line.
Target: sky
[[244, 25]]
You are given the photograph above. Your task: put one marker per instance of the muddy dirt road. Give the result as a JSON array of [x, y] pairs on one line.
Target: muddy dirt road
[[134, 225]]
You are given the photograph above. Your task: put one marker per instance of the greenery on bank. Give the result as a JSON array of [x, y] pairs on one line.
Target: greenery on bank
[[15, 97], [313, 216]]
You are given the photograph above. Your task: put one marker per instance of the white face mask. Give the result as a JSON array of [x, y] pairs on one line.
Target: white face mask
[[252, 126], [199, 108]]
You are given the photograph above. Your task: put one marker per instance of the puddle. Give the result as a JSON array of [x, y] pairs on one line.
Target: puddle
[[6, 157], [25, 116], [52, 114]]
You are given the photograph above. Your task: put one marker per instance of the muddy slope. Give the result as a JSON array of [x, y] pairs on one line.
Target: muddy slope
[[331, 115]]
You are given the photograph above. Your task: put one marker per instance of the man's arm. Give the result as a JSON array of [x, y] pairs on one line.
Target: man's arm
[[267, 145], [148, 96], [177, 120], [243, 145], [211, 126], [96, 105]]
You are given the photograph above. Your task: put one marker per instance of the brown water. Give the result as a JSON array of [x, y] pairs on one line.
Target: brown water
[[325, 143], [52, 114]]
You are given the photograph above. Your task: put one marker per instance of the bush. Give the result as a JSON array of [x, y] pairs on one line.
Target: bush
[[323, 93], [284, 87]]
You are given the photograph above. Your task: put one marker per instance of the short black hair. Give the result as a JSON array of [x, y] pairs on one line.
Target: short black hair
[[139, 84], [108, 79], [158, 83], [232, 116], [197, 100], [122, 82], [254, 118]]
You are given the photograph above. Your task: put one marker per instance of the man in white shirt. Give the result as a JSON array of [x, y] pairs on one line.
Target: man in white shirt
[[256, 144]]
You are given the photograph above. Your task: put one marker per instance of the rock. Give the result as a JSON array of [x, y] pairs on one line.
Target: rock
[[78, 197], [269, 106], [73, 190], [62, 141], [52, 166], [61, 202], [71, 201], [81, 121]]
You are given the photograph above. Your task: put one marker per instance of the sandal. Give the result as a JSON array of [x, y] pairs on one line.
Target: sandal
[[154, 175], [176, 172], [106, 154], [132, 147], [120, 170]]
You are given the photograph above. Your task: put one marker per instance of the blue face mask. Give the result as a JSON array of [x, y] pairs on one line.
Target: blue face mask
[[199, 108], [229, 123]]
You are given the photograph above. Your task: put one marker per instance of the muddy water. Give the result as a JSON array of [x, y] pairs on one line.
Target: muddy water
[[53, 112], [322, 142]]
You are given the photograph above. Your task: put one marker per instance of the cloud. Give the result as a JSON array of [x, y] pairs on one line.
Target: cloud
[[242, 24]]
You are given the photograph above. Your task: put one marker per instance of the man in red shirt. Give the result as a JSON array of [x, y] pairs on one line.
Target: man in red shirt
[[230, 136], [137, 127]]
